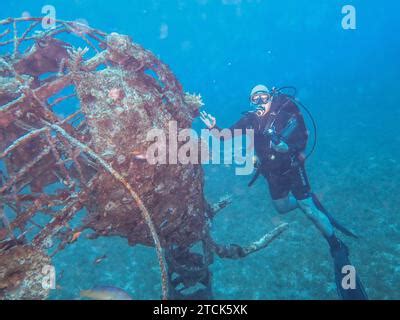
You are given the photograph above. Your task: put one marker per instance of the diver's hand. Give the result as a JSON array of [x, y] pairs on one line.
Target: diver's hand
[[208, 119], [276, 143], [281, 147]]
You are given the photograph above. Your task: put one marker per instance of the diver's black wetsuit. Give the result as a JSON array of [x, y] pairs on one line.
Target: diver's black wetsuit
[[284, 171]]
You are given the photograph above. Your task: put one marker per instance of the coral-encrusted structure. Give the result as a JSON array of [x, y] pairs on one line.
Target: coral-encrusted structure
[[123, 91], [121, 104], [21, 273], [73, 126]]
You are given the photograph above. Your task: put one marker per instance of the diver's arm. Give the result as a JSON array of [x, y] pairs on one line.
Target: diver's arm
[[281, 147], [298, 135], [236, 129], [277, 142], [294, 135], [292, 138]]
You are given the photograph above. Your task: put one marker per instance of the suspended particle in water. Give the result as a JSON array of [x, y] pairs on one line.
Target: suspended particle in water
[[163, 31], [25, 14]]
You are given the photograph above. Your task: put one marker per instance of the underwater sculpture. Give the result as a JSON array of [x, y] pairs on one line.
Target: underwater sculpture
[[73, 126]]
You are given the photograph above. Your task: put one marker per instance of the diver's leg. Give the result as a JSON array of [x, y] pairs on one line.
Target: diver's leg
[[317, 217], [301, 189], [286, 204], [279, 186], [339, 251]]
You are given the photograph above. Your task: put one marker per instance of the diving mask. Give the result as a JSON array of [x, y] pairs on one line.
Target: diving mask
[[260, 98]]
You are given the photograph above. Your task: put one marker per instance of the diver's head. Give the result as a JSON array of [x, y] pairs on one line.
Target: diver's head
[[261, 98]]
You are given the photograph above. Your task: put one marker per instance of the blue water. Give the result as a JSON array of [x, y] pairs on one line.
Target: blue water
[[350, 81]]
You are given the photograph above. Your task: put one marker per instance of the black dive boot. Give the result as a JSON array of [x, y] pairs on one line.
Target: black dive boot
[[340, 255]]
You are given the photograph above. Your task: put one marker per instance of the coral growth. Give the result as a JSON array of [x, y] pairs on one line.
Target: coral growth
[[21, 274]]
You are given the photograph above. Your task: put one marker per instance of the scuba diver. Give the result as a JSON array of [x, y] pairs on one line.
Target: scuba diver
[[280, 139]]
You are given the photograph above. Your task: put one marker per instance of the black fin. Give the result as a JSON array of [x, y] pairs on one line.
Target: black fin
[[334, 222], [341, 259]]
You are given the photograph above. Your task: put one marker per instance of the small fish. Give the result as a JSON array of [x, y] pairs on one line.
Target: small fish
[[99, 259], [105, 293], [60, 275], [138, 155], [136, 152], [75, 236]]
